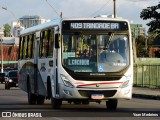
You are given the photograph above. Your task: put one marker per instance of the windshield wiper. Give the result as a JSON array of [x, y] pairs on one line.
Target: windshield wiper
[[111, 35]]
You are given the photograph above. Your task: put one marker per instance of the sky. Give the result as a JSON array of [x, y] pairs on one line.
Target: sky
[[50, 9]]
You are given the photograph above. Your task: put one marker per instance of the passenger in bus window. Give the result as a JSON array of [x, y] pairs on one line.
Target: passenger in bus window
[[78, 52], [93, 52], [85, 53], [89, 40], [65, 48]]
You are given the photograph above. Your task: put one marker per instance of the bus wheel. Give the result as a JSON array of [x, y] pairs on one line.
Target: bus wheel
[[112, 104], [32, 98], [40, 99], [85, 102], [77, 102], [56, 103]]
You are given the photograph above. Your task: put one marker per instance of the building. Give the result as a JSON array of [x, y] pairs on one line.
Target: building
[[29, 21], [25, 22], [16, 27], [9, 48], [137, 30]]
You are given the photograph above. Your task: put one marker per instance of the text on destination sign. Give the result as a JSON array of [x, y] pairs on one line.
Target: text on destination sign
[[94, 25], [78, 62]]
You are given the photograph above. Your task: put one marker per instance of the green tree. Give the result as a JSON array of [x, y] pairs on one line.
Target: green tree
[[140, 46], [7, 30], [143, 45], [152, 13]]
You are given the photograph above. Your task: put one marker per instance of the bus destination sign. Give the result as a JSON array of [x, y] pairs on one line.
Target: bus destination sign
[[95, 25]]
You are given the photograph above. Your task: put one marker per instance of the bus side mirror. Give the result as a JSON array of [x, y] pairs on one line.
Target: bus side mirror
[[57, 41]]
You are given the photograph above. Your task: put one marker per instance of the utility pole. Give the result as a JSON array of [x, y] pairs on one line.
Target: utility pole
[[114, 2], [1, 40], [61, 15]]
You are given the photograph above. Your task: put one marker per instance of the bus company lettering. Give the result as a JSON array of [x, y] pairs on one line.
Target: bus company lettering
[[94, 25], [78, 62]]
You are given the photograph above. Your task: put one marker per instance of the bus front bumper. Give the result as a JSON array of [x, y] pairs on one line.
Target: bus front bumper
[[86, 93]]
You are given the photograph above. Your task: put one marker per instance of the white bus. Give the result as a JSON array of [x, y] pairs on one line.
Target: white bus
[[77, 60]]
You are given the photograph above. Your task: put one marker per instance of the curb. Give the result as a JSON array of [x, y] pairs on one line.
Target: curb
[[153, 97]]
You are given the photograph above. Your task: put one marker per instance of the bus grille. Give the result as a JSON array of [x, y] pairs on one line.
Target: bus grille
[[106, 93]]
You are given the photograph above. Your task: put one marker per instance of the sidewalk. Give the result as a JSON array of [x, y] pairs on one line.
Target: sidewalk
[[147, 93]]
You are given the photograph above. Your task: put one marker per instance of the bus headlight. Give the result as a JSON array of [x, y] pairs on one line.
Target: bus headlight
[[66, 81], [125, 84]]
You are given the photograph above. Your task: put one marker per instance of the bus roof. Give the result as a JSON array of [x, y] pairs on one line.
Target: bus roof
[[98, 18], [58, 22], [40, 26]]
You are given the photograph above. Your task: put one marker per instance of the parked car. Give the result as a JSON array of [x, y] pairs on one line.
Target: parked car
[[11, 79], [2, 77]]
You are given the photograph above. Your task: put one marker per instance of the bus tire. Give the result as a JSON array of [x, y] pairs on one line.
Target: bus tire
[[40, 99], [77, 102], [56, 103], [32, 98], [49, 88], [111, 104], [85, 102]]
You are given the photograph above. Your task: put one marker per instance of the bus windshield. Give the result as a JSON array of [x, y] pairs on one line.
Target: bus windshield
[[95, 53]]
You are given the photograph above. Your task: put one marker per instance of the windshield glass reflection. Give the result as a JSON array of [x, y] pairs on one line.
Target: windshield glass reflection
[[95, 53]]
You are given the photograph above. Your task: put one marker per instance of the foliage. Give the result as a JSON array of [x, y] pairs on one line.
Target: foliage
[[143, 44], [153, 14], [7, 30], [140, 44]]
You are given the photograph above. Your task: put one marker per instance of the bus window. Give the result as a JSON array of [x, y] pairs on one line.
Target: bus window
[[20, 48], [44, 44], [24, 46], [50, 42], [32, 45], [27, 47], [41, 44], [119, 45]]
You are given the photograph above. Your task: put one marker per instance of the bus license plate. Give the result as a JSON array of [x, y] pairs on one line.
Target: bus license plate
[[97, 96]]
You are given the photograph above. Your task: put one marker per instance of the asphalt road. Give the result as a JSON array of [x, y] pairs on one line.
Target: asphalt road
[[15, 101]]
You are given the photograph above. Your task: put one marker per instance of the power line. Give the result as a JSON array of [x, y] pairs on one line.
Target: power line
[[5, 8], [141, 0], [100, 8], [53, 9], [12, 13]]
